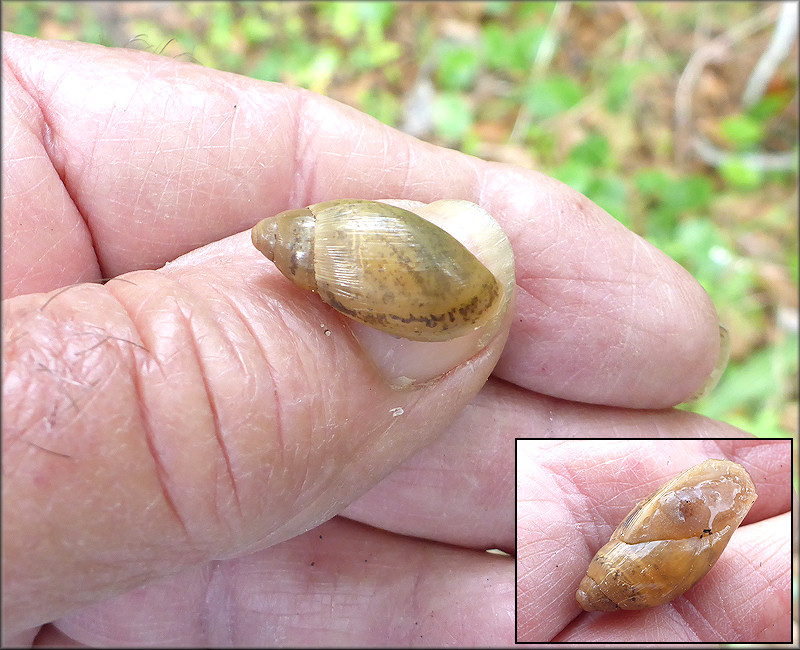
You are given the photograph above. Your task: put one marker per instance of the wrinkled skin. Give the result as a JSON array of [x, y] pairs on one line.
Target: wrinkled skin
[[170, 436]]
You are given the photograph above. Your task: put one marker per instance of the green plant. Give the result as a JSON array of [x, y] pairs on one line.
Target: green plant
[[452, 116], [458, 67], [551, 96]]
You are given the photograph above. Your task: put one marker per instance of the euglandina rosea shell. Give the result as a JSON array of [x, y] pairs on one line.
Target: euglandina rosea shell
[[383, 266], [670, 540]]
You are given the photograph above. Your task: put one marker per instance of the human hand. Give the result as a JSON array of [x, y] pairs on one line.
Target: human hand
[[150, 470], [572, 495]]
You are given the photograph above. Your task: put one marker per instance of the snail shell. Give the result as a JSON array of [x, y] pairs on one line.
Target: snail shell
[[670, 540], [383, 266]]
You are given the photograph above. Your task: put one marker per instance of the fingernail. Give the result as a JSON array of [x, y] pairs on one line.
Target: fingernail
[[403, 362], [719, 368]]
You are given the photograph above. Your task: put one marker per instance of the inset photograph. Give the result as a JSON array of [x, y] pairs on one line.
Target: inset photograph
[[654, 541]]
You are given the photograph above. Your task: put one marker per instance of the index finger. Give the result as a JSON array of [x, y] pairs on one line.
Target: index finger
[[161, 156]]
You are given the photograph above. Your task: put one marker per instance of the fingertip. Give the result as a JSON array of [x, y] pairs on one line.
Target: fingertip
[[723, 356], [403, 362]]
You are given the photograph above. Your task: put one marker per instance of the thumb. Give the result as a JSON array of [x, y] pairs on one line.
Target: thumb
[[197, 412]]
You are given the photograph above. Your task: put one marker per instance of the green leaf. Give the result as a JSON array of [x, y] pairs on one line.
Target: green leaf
[[349, 19], [697, 244], [743, 132], [593, 151], [458, 67], [543, 143], [535, 10], [611, 194], [376, 17], [268, 68], [497, 8], [667, 201], [382, 105], [690, 194], [221, 21], [374, 56], [28, 18], [256, 30], [452, 116], [317, 74], [741, 174], [767, 107], [652, 183], [575, 174], [65, 12], [679, 195], [510, 51], [747, 390], [549, 97], [343, 17]]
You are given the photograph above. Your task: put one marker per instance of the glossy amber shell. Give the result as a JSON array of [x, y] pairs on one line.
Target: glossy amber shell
[[670, 540], [383, 266]]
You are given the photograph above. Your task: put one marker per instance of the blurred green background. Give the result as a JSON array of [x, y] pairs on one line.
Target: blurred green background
[[625, 102]]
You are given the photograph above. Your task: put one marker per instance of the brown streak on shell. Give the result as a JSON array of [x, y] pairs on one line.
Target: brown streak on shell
[[383, 266], [670, 540]]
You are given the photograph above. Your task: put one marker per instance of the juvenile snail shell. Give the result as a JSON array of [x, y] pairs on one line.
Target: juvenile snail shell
[[670, 540], [383, 266]]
